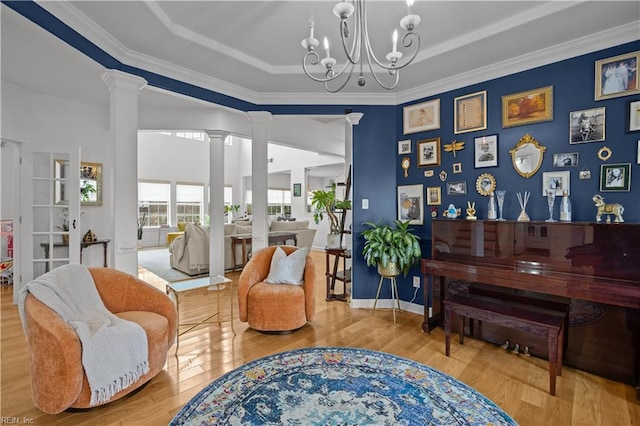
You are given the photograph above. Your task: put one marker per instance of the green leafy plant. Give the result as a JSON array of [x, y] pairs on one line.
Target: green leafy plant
[[86, 190], [325, 202], [64, 215], [141, 222], [384, 244]]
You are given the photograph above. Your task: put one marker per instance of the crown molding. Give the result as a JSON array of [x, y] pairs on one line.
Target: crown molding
[[71, 16]]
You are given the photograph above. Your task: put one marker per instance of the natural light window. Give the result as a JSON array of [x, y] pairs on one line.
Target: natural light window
[[189, 203], [153, 203]]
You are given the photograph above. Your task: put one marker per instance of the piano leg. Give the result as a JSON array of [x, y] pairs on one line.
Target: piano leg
[[433, 295]]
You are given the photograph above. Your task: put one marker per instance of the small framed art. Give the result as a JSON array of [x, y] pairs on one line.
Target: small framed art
[[532, 106], [470, 112], [617, 76], [565, 159], [486, 151], [421, 117], [457, 188], [615, 177], [410, 204], [586, 125], [428, 152], [404, 147], [457, 167], [434, 196], [558, 181], [633, 117], [297, 189]]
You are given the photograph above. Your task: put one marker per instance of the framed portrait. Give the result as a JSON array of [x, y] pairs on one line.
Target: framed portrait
[[565, 159], [633, 117], [586, 125], [615, 177], [421, 117], [617, 76], [297, 189], [434, 196], [556, 181], [404, 147], [470, 112], [410, 204], [457, 188], [532, 106], [457, 167], [486, 151], [428, 152]]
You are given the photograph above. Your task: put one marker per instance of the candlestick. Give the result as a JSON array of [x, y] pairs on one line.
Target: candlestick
[[395, 41], [326, 47]]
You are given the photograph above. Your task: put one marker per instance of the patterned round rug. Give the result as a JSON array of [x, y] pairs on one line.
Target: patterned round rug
[[338, 386]]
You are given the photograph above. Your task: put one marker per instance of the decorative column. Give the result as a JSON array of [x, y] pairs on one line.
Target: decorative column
[[121, 186], [216, 203], [259, 177]]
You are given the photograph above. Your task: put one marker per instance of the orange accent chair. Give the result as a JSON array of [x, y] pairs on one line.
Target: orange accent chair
[[58, 381], [275, 307]]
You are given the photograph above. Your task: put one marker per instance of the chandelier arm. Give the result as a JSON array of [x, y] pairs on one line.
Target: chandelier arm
[[353, 54], [339, 88], [377, 79], [315, 61]]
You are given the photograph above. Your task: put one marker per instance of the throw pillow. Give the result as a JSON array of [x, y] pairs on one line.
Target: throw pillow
[[181, 226], [287, 269]]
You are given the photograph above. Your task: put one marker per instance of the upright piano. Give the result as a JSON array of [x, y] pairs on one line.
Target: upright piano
[[596, 264]]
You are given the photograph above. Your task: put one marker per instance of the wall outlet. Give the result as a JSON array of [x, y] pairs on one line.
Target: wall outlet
[[416, 282]]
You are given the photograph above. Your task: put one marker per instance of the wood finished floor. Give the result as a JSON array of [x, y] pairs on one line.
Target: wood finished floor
[[519, 385]]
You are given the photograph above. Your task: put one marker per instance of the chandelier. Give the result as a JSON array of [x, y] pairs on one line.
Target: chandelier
[[355, 41]]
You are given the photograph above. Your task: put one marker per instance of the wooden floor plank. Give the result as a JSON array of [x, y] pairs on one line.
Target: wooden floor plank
[[518, 384]]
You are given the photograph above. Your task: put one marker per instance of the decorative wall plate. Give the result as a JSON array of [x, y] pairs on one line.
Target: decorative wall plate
[[604, 153], [485, 184]]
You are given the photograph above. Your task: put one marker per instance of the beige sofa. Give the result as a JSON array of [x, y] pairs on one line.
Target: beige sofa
[[190, 252]]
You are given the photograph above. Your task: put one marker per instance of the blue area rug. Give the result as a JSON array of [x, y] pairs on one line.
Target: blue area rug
[[338, 386]]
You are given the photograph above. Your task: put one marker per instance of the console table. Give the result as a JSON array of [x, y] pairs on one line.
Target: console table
[[274, 238], [83, 245]]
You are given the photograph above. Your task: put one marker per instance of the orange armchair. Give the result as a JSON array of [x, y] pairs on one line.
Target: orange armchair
[[275, 307], [58, 380]]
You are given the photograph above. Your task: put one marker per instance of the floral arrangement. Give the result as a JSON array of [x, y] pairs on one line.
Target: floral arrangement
[[64, 215]]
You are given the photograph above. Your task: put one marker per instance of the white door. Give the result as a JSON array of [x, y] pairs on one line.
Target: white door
[[50, 189]]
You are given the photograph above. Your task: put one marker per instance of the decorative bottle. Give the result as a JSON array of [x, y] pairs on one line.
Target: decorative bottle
[[491, 210], [565, 208]]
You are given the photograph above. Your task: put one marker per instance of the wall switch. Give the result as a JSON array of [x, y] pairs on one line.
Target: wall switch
[[416, 282], [365, 203]]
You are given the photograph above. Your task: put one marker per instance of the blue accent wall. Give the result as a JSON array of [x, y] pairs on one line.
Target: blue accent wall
[[376, 163]]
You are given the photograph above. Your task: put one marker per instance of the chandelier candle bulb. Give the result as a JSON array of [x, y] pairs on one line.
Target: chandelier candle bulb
[[395, 41], [326, 47]]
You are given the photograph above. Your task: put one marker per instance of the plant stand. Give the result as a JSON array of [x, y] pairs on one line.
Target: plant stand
[[394, 295]]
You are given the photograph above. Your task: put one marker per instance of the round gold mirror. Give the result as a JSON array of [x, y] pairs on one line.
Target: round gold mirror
[[485, 184], [527, 156]]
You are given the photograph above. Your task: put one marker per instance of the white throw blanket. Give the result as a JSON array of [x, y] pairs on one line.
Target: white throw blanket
[[114, 351], [198, 246]]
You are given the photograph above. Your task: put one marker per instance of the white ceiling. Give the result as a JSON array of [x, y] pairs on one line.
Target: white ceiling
[[251, 49]]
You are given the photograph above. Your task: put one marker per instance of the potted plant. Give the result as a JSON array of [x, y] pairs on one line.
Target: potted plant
[[86, 190], [392, 249], [325, 202], [141, 222], [230, 211], [64, 215]]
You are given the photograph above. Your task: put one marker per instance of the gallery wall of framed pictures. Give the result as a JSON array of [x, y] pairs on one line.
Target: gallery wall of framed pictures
[[485, 124]]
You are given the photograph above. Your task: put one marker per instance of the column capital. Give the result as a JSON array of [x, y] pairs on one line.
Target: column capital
[[115, 79], [217, 134], [259, 116], [354, 118]]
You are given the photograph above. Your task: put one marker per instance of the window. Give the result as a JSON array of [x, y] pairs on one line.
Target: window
[[153, 203], [196, 136], [189, 203], [278, 202]]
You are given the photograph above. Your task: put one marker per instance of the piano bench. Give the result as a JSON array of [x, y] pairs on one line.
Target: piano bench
[[544, 301], [513, 315]]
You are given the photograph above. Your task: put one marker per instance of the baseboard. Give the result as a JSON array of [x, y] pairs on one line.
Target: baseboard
[[387, 304]]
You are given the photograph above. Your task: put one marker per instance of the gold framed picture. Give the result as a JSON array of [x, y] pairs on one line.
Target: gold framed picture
[[470, 112], [421, 117], [434, 196], [429, 152], [532, 106], [617, 76]]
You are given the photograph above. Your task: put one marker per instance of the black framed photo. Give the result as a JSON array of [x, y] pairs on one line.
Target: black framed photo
[[633, 117], [615, 177], [297, 189], [586, 125], [486, 151], [457, 188]]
